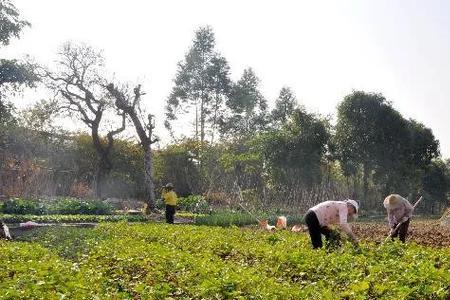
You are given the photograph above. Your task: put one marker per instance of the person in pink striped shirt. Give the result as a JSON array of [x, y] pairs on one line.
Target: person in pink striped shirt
[[320, 217]]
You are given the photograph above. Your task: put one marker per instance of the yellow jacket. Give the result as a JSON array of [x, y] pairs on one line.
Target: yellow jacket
[[170, 198]]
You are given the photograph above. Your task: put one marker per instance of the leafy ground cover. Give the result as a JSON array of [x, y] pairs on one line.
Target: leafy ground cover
[[158, 261]]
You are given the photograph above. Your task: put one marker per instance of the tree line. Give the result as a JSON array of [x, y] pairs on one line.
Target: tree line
[[283, 156]]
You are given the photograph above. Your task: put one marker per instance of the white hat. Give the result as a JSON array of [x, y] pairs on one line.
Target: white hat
[[354, 204]]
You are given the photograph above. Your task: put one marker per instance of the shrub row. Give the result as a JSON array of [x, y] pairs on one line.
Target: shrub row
[[66, 206], [7, 218]]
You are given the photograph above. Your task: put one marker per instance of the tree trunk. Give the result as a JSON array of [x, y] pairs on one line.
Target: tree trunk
[[149, 186], [365, 182], [104, 165]]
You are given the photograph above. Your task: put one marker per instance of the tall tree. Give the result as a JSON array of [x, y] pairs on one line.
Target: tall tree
[[284, 106], [201, 85], [374, 140], [82, 93], [366, 126], [247, 107], [130, 105]]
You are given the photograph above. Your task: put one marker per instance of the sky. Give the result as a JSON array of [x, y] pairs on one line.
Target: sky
[[321, 49]]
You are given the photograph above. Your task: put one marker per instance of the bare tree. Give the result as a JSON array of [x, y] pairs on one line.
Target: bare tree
[[144, 125], [82, 93]]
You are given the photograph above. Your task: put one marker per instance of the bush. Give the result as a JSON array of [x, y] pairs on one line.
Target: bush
[[65, 206], [72, 206], [22, 207], [71, 218], [225, 218], [193, 203]]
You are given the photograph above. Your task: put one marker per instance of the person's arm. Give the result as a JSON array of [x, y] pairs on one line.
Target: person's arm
[[408, 210], [348, 230], [345, 226], [391, 218]]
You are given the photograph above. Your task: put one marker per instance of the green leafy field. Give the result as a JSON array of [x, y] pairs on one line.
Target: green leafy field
[[157, 261]]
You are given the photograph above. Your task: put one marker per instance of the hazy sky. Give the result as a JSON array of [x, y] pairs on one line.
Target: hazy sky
[[322, 49]]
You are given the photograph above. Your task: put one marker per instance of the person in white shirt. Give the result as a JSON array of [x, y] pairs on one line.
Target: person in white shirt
[[319, 217]]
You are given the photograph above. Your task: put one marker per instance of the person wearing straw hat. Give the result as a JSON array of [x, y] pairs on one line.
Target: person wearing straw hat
[[320, 217], [399, 211], [170, 199]]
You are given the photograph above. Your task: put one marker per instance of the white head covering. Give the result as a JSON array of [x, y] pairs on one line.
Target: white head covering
[[354, 204]]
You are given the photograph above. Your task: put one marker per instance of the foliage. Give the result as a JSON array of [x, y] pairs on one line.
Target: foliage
[[178, 164], [198, 262], [285, 105], [193, 203], [376, 144], [247, 107], [295, 153], [22, 207], [11, 24], [13, 73], [226, 218]]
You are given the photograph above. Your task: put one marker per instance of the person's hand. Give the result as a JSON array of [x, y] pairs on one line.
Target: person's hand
[[404, 219]]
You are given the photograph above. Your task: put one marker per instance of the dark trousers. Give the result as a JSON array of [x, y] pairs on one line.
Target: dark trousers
[[402, 231], [170, 212], [315, 230]]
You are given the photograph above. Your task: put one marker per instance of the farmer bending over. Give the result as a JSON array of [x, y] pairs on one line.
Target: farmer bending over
[[399, 211], [319, 217], [170, 199]]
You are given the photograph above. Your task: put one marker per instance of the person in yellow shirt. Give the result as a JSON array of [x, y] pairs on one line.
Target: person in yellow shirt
[[170, 199]]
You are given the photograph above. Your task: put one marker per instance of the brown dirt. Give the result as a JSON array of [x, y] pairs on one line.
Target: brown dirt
[[427, 233]]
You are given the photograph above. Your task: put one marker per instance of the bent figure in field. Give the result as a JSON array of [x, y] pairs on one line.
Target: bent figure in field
[[399, 211], [4, 232], [319, 217], [170, 199]]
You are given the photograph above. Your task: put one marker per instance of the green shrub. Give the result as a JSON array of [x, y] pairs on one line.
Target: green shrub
[[225, 218], [22, 206], [71, 218], [66, 206], [193, 203], [71, 206]]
